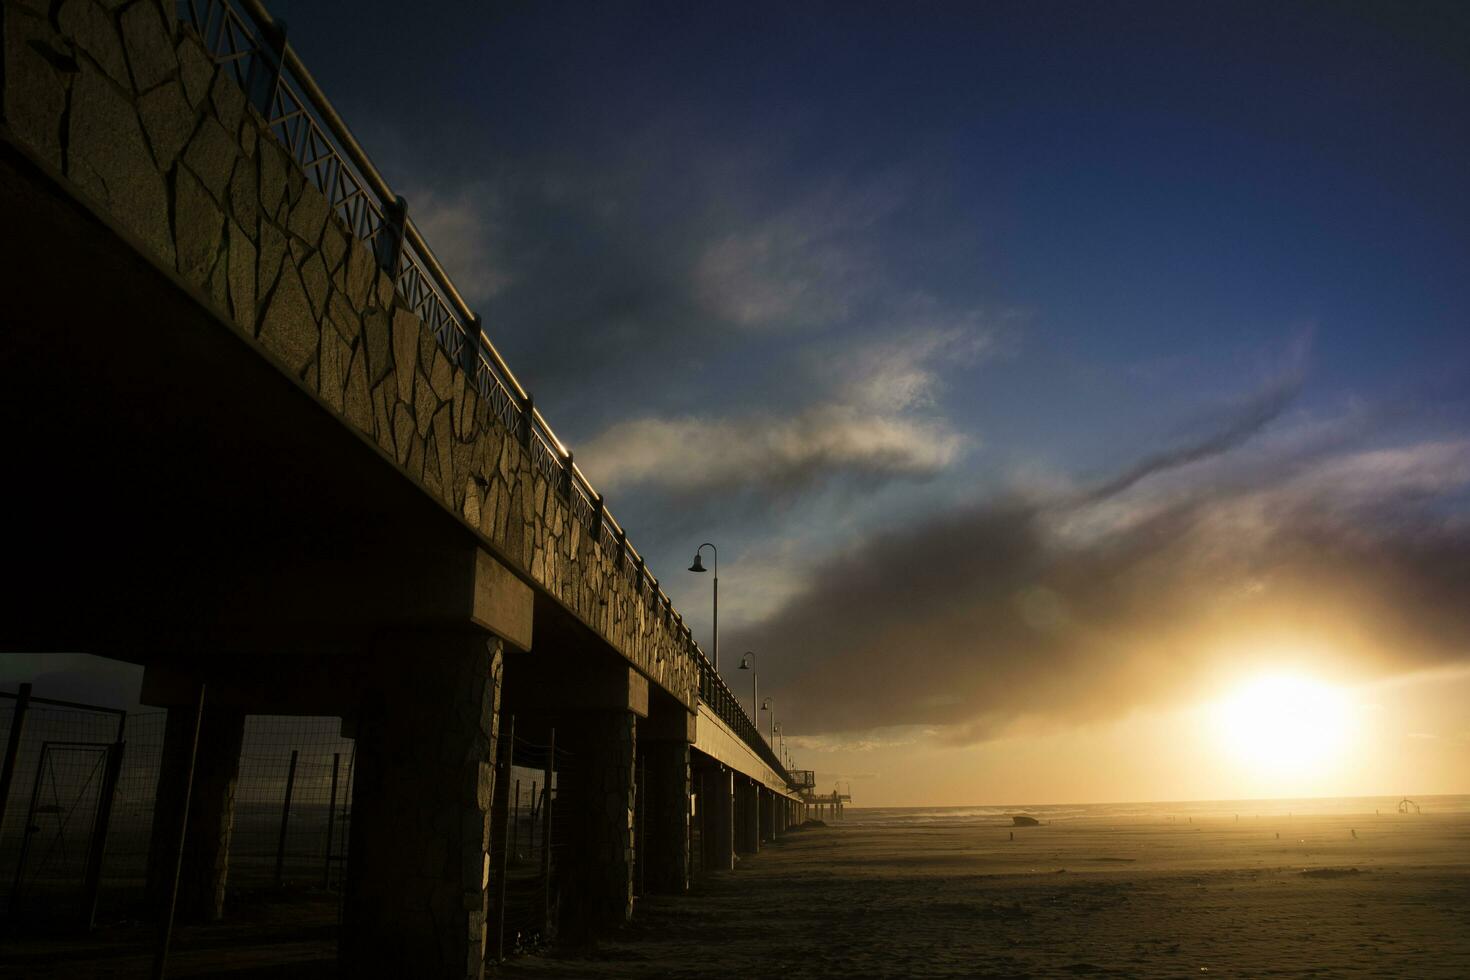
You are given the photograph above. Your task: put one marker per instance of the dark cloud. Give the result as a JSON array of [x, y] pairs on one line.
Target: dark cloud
[[1256, 411], [1016, 609]]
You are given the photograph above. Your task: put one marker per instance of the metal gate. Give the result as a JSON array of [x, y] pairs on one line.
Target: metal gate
[[62, 835]]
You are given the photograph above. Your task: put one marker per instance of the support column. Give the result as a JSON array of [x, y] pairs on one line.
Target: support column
[[767, 813], [211, 819], [416, 896], [717, 800], [601, 789], [748, 798], [666, 838]]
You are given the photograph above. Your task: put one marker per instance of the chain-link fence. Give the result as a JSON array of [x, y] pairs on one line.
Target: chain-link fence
[[529, 835], [291, 803], [79, 805]]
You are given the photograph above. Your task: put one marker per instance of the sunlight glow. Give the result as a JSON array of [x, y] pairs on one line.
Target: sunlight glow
[[1284, 724]]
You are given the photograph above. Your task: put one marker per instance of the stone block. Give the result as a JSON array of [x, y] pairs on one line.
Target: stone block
[[308, 215], [242, 266], [38, 67], [405, 352], [211, 154], [343, 317], [314, 275], [360, 272], [274, 165], [375, 330], [272, 244], [424, 403], [334, 246], [108, 157], [168, 121], [357, 402], [287, 329], [196, 71], [149, 46], [228, 101], [91, 29], [335, 356], [244, 192], [199, 228]]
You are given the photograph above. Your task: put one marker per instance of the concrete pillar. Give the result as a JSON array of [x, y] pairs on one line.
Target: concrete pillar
[[601, 792], [416, 899], [747, 815], [767, 812], [666, 811], [211, 811], [717, 803]]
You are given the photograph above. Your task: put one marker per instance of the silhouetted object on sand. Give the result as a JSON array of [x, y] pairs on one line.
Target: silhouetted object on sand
[[1405, 803], [1024, 821]]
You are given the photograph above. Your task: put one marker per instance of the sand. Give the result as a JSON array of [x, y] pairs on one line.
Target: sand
[[1083, 897]]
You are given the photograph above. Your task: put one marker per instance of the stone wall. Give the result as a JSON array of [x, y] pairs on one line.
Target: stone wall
[[123, 104]]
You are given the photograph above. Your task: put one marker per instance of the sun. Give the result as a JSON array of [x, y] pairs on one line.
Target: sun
[[1284, 724]]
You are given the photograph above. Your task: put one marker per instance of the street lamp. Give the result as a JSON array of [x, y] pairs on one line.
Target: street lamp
[[747, 662], [766, 706], [698, 566]]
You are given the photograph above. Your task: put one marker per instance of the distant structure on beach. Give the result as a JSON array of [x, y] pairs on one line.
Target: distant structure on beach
[[1021, 820], [1405, 803]]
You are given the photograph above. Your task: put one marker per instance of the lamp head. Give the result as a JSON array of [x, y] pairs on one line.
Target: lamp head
[[746, 662], [765, 704], [698, 565]]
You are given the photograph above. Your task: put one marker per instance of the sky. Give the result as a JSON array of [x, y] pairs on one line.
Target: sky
[[1043, 372]]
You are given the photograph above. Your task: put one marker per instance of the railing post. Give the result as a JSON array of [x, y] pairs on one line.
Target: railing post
[[469, 354], [389, 243], [528, 418], [265, 67], [599, 511], [566, 465]]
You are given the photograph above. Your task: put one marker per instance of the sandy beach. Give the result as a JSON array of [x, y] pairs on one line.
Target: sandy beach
[[1151, 895]]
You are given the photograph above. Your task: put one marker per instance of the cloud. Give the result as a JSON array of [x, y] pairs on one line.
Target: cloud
[[1001, 614], [874, 420], [460, 226], [807, 264], [1246, 418]]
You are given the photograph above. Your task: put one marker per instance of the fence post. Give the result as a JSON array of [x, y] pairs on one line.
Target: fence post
[[285, 820], [12, 747], [331, 822], [93, 887], [502, 794], [160, 958], [531, 831], [546, 838], [515, 820]]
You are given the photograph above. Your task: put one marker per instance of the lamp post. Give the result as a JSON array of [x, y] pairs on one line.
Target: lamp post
[[698, 566], [747, 662]]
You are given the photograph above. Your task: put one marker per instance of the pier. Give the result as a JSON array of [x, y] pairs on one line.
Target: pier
[[265, 450]]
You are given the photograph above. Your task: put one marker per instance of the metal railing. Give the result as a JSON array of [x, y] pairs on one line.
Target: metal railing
[[247, 42]]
